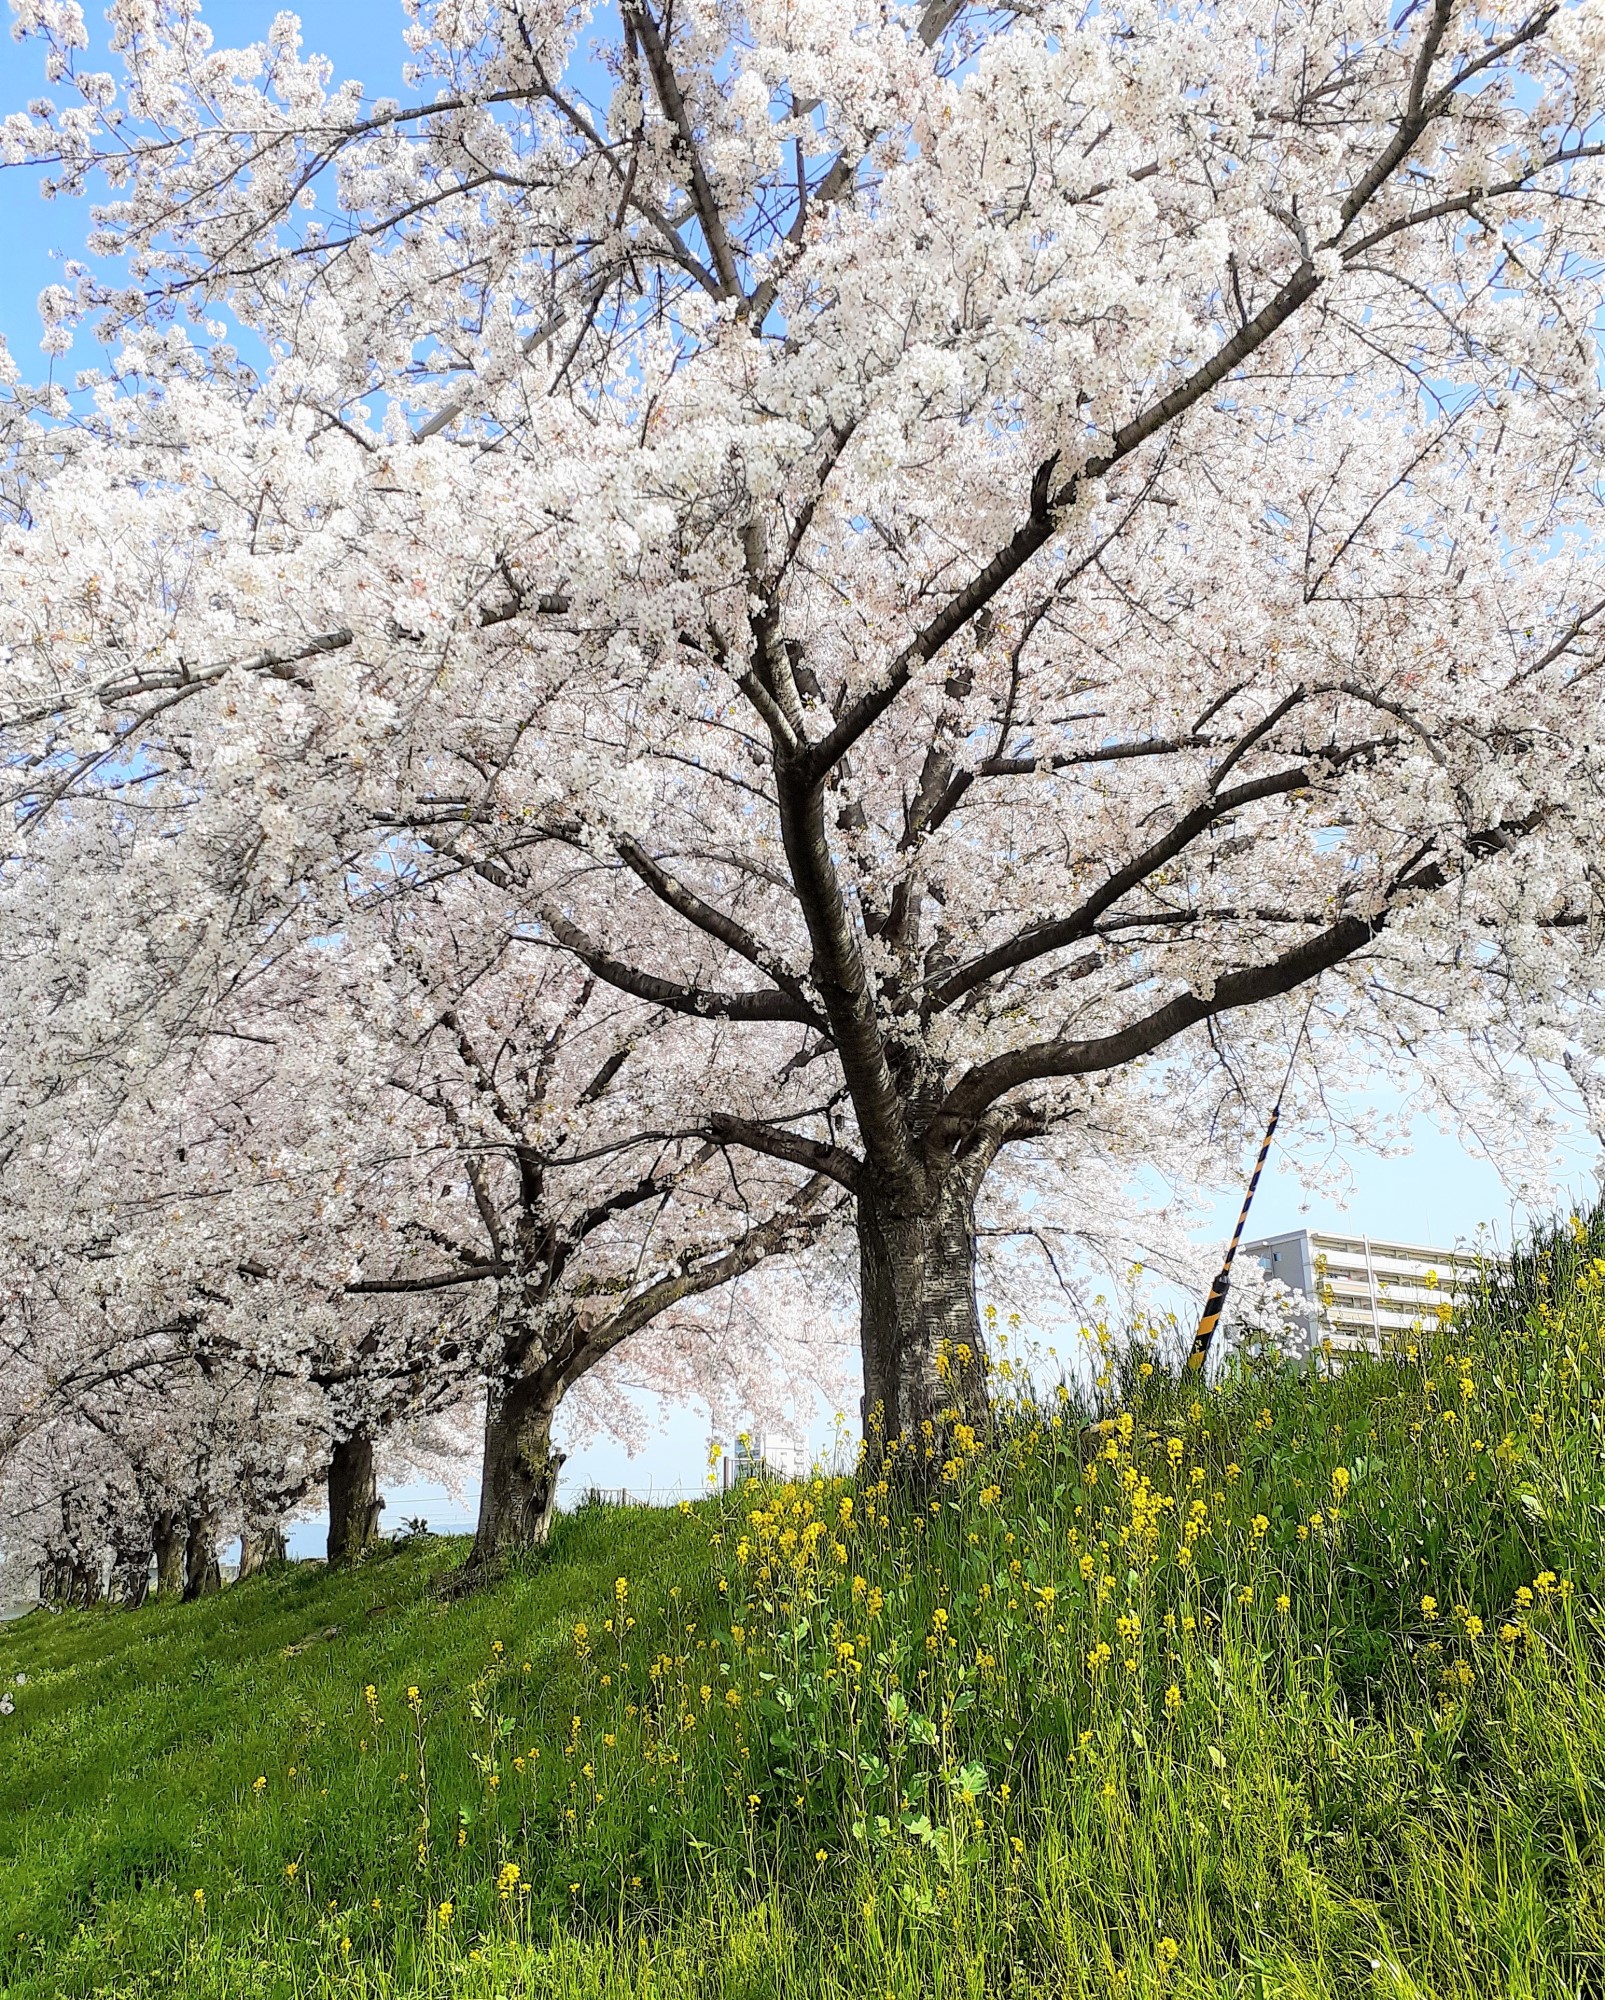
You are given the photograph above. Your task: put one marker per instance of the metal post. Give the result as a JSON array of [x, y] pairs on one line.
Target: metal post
[[1215, 1304], [1371, 1286]]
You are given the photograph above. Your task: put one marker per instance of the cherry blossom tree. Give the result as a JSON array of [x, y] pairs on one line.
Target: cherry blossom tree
[[387, 1167], [954, 550], [519, 1177]]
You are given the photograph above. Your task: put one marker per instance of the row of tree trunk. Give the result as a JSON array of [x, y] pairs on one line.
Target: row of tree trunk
[[519, 1469], [518, 1480], [185, 1548], [518, 1483], [183, 1544]]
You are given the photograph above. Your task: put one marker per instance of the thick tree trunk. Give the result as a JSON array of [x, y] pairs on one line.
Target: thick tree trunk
[[260, 1547], [354, 1502], [202, 1576], [518, 1477], [168, 1543], [84, 1586], [130, 1577], [69, 1580], [924, 1359]]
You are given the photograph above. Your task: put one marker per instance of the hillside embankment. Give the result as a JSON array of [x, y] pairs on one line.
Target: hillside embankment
[[1285, 1688]]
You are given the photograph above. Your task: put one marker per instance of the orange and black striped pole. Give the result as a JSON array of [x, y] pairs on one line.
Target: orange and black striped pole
[[1215, 1304]]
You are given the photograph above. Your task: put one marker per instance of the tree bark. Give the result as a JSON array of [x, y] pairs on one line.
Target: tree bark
[[260, 1547], [68, 1580], [85, 1587], [518, 1475], [354, 1503], [130, 1577], [169, 1546], [202, 1576], [924, 1357]]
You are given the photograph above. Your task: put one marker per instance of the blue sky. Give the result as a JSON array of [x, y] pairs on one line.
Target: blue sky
[[1438, 1194], [362, 37]]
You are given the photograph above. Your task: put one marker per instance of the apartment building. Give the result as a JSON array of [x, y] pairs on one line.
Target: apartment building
[[772, 1455], [1366, 1294]]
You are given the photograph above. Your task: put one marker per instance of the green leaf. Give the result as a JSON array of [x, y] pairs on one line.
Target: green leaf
[[972, 1781], [917, 1898]]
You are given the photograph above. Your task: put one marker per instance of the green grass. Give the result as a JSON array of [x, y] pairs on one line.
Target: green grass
[[1290, 1689]]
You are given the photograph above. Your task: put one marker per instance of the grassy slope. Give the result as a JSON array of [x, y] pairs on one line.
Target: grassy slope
[[127, 1774], [1341, 1735]]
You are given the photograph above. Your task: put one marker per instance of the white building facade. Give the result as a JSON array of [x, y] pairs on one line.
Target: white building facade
[[1367, 1295], [772, 1455]]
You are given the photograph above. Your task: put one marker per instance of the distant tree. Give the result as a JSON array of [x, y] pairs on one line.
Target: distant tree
[[382, 1171]]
